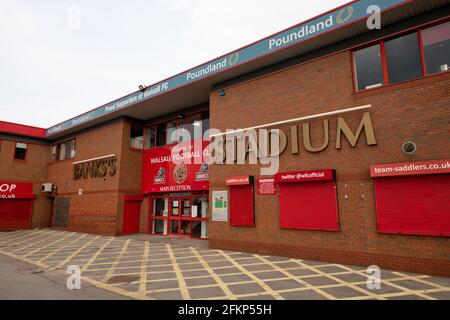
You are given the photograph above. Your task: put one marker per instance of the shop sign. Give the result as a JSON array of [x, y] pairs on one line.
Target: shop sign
[[410, 168], [184, 169], [267, 187], [13, 190], [220, 206], [239, 181], [305, 176], [96, 168]]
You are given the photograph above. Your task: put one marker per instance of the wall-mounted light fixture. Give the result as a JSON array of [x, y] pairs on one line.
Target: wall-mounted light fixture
[[409, 148], [142, 88], [222, 93]]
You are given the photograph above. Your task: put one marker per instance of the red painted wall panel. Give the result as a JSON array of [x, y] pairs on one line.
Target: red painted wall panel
[[242, 209], [416, 205], [309, 206], [15, 214], [131, 217]]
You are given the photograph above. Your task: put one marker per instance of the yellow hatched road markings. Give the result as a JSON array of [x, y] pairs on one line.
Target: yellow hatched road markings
[[268, 289], [143, 279], [51, 254], [90, 261], [48, 245], [62, 263], [117, 261], [327, 275], [183, 288], [230, 295], [29, 238]]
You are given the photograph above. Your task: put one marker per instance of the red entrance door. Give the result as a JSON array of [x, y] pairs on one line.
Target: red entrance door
[[131, 216]]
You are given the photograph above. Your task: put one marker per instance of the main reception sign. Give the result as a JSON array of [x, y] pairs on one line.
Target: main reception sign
[[183, 171], [295, 35]]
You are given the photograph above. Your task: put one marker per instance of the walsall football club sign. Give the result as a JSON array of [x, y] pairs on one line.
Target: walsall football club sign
[[184, 169]]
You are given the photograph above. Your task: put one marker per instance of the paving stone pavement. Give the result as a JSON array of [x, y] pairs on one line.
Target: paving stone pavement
[[147, 267]]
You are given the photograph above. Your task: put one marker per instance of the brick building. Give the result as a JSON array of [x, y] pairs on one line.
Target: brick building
[[363, 117]]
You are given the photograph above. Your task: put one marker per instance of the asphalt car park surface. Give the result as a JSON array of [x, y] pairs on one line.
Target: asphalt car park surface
[[159, 268]]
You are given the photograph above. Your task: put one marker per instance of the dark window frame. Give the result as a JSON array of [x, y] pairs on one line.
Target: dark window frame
[[15, 151], [73, 144], [176, 119], [381, 43]]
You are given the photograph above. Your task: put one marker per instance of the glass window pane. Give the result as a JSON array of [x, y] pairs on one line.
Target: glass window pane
[[62, 151], [368, 68], [171, 136], [73, 149], [183, 130], [161, 207], [159, 227], [436, 48], [150, 138], [20, 152], [161, 135], [195, 127], [403, 58]]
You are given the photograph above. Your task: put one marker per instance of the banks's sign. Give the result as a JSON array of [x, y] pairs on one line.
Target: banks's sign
[[97, 168], [343, 16], [184, 169]]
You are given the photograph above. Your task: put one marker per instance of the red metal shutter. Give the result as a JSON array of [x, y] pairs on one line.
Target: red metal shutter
[[415, 205], [242, 212], [15, 214], [309, 206]]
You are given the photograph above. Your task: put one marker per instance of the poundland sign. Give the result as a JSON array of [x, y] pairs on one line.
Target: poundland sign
[[335, 19]]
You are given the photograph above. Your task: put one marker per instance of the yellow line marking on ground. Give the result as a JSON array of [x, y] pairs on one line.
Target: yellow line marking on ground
[[297, 279], [87, 265], [268, 289], [143, 279], [117, 261], [32, 262], [28, 238], [48, 245], [183, 288], [329, 276], [230, 295], [75, 253], [53, 253]]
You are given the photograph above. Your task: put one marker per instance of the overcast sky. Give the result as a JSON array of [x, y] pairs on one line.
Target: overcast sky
[[60, 58]]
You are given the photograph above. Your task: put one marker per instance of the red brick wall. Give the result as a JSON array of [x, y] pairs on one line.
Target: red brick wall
[[418, 111], [99, 209], [33, 169]]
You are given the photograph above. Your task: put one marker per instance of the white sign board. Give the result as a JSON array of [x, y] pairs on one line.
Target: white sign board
[[220, 206]]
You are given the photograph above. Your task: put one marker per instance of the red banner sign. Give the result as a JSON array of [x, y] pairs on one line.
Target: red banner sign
[[267, 187], [238, 181], [410, 168], [13, 190], [181, 168], [305, 176]]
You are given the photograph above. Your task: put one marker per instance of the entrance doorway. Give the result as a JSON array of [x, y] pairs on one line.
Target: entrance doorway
[[180, 215]]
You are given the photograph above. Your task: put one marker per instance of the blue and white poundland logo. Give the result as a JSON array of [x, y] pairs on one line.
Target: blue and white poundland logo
[[233, 59], [345, 15]]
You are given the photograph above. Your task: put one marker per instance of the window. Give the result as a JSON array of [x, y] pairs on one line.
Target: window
[[166, 133], [150, 138], [63, 151], [369, 71], [436, 48], [137, 138], [403, 58], [21, 151], [411, 56]]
